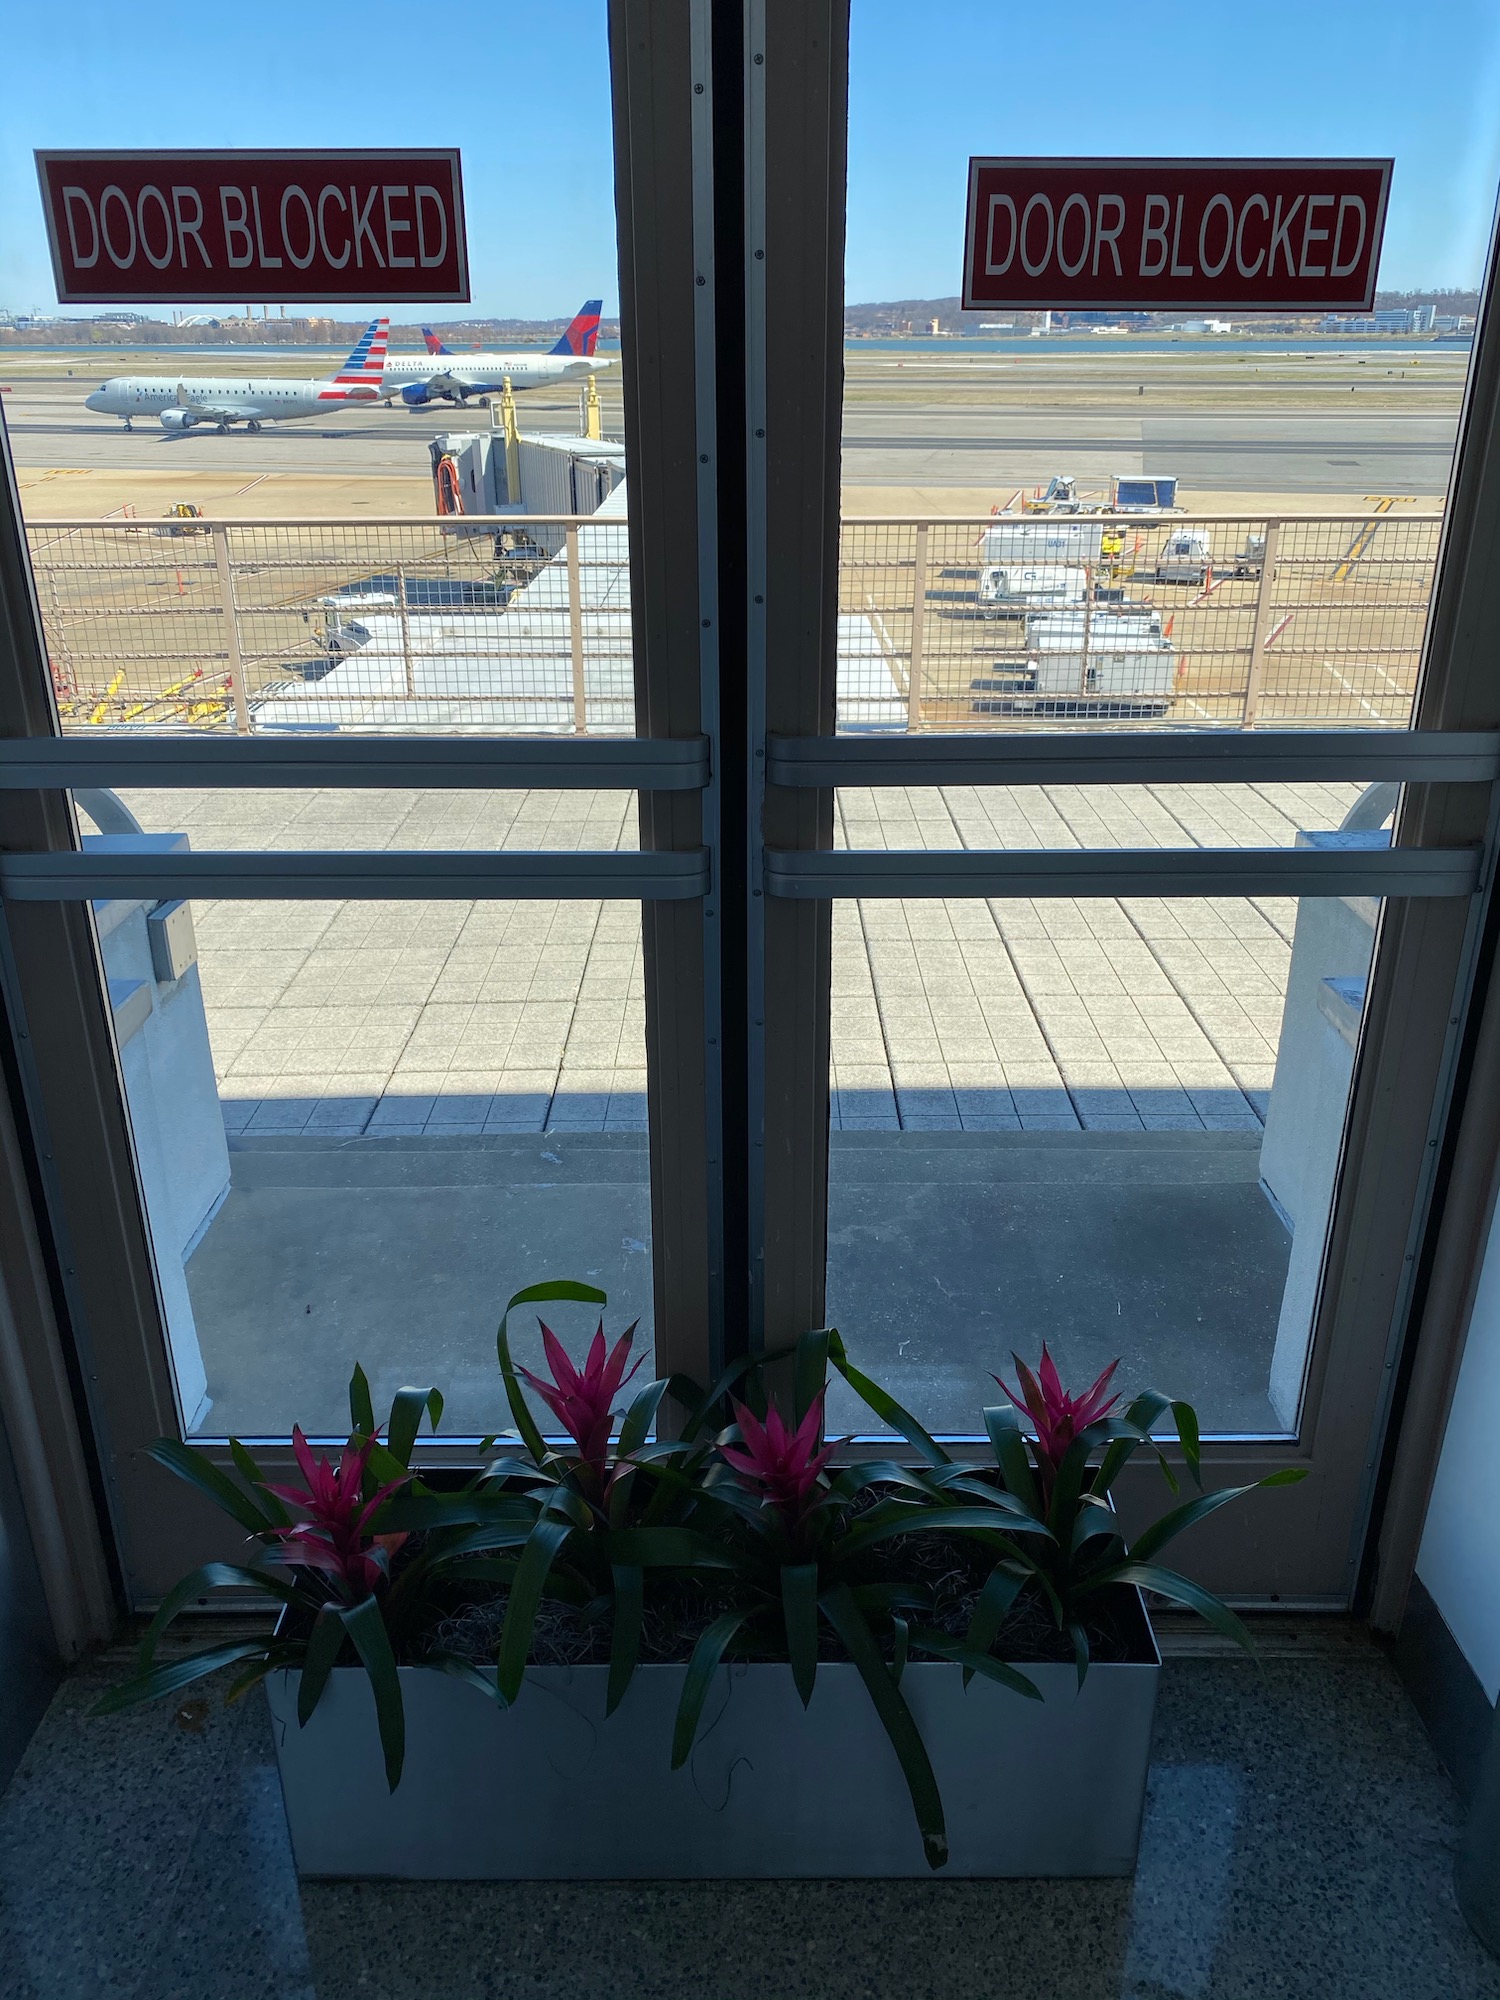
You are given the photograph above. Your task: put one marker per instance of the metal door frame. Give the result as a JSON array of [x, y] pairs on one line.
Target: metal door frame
[[730, 122]]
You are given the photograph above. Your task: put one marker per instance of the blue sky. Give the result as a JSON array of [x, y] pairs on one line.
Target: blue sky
[[526, 95]]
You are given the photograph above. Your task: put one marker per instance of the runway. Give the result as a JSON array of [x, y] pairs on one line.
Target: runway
[[965, 442]]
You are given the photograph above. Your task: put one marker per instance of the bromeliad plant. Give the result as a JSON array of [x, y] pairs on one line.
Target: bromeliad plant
[[800, 1536], [742, 1525], [330, 1564], [1074, 1548]]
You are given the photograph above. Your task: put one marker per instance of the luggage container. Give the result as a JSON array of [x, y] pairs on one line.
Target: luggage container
[[1015, 588], [1118, 665], [1011, 543]]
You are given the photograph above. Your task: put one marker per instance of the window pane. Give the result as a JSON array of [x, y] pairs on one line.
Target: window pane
[[148, 441], [361, 1126], [1100, 518], [1113, 1125]]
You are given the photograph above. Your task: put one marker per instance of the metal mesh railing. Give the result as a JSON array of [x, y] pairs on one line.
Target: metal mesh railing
[[523, 623], [1001, 620]]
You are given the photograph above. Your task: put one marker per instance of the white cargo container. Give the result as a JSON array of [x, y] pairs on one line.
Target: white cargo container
[[1186, 557], [1012, 586], [1042, 540], [1121, 665]]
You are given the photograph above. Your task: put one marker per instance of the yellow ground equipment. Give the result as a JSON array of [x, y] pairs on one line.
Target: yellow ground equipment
[[181, 516]]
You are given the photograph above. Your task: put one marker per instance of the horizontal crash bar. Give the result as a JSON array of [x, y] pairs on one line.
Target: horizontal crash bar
[[494, 763], [1125, 871], [97, 877], [1197, 756]]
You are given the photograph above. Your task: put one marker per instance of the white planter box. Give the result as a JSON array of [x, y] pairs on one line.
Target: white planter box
[[550, 1790]]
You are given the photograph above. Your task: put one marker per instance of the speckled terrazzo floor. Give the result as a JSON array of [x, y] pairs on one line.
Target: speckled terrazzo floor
[[1297, 1847]]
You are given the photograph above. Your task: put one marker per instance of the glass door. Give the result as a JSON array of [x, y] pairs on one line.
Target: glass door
[[1152, 886], [672, 827]]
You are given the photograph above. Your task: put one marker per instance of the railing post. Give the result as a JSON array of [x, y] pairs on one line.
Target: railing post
[[403, 612], [918, 620], [230, 610], [1263, 612], [575, 634]]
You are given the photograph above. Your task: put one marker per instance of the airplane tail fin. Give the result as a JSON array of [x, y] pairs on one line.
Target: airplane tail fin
[[434, 345], [366, 364], [582, 337]]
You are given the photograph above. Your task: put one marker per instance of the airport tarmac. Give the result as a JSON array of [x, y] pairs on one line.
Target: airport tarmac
[[1309, 428]]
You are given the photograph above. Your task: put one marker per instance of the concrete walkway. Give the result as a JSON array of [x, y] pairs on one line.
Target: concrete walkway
[[463, 1018]]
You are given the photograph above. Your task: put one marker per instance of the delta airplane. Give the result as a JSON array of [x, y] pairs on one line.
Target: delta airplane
[[184, 402], [441, 374]]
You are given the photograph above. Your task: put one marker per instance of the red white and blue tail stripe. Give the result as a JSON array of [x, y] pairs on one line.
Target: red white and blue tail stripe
[[358, 381], [582, 337], [434, 345]]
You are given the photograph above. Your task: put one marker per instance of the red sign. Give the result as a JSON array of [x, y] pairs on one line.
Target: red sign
[[1143, 235], [286, 228]]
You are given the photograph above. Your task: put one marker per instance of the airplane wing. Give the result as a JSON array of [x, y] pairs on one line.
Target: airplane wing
[[197, 406]]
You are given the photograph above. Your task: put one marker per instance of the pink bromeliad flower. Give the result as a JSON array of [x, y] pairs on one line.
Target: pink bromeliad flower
[[333, 1538], [1058, 1416], [582, 1399], [781, 1463]]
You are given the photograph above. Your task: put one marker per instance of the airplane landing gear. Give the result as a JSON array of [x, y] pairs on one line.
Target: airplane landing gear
[[253, 427], [129, 425]]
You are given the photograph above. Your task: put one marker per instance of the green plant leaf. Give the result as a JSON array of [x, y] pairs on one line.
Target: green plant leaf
[[810, 1371], [361, 1409], [425, 1513], [1186, 1419], [1079, 1635], [902, 1647], [1067, 1486], [851, 1479], [1150, 1540], [542, 1545], [372, 1642], [890, 1705], [625, 1635], [555, 1289], [668, 1548], [210, 1576], [1011, 1456], [1095, 1520], [799, 1609], [465, 1670], [407, 1407], [697, 1680], [1178, 1590], [1002, 1587], [324, 1644], [252, 1475], [1131, 1432], [884, 1405], [866, 1533], [200, 1471], [636, 1428], [179, 1674], [256, 1672], [700, 1405], [928, 1640]]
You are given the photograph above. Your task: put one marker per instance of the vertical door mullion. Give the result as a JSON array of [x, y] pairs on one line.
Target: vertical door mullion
[[660, 53], [798, 173]]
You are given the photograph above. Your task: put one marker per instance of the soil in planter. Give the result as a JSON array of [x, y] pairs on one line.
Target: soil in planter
[[677, 1610]]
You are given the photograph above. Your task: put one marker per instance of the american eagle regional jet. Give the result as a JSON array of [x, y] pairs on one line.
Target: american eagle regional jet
[[442, 375], [183, 402]]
